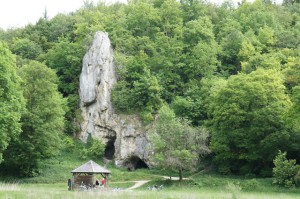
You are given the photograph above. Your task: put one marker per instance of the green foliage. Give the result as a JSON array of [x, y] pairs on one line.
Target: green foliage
[[246, 113], [146, 115], [60, 25], [144, 96], [201, 57], [297, 178], [254, 16], [142, 19], [12, 102], [42, 122], [68, 144], [230, 50], [26, 48], [250, 185], [291, 73], [176, 144], [121, 97], [83, 153], [65, 58], [284, 170], [38, 33], [295, 108], [147, 91], [97, 149], [94, 148], [293, 124], [194, 104], [87, 22]]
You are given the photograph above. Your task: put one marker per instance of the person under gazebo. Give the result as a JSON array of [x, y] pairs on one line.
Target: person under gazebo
[[103, 182], [97, 183]]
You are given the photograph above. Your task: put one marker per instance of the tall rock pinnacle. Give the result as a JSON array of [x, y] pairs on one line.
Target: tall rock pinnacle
[[125, 138]]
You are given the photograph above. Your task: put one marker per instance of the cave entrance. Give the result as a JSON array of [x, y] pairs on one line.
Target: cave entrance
[[134, 163], [109, 151]]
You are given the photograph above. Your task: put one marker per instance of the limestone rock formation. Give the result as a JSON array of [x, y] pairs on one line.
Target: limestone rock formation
[[126, 140]]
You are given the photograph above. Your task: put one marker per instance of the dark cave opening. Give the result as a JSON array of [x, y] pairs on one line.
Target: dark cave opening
[[109, 151], [141, 164], [134, 163]]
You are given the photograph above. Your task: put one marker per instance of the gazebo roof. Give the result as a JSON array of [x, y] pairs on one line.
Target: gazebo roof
[[91, 167]]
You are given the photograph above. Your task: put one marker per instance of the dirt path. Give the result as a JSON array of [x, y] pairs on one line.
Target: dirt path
[[142, 182], [138, 184], [173, 178]]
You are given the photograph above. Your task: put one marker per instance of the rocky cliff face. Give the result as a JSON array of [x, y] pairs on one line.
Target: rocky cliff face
[[126, 140]]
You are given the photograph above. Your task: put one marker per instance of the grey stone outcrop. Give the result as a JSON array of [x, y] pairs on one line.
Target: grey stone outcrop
[[124, 135]]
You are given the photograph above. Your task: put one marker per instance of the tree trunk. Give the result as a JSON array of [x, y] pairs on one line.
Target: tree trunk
[[180, 174]]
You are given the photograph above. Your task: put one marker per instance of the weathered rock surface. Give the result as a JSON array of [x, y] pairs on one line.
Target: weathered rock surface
[[125, 138]]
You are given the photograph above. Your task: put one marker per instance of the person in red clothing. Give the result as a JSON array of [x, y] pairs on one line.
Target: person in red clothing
[[103, 182]]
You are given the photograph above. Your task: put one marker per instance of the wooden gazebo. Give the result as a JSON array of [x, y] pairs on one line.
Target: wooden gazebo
[[85, 174]]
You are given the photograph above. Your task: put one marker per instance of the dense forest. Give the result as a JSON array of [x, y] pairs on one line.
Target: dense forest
[[229, 75]]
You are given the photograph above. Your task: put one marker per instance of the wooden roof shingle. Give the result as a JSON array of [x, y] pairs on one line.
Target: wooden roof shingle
[[91, 167]]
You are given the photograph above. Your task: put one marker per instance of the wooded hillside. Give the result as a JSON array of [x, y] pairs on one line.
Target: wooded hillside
[[232, 71]]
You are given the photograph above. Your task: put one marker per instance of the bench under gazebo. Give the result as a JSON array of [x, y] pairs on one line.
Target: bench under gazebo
[[85, 174]]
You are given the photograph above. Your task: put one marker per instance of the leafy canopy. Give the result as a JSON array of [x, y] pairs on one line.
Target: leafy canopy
[[11, 99], [248, 121], [177, 145], [42, 121]]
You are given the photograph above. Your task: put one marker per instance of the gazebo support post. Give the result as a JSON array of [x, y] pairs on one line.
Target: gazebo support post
[[106, 179]]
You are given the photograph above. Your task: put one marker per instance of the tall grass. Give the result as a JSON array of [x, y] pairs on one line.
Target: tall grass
[[9, 187], [59, 191]]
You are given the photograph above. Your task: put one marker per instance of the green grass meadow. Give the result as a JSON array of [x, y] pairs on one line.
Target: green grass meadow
[[52, 184], [59, 190], [200, 186]]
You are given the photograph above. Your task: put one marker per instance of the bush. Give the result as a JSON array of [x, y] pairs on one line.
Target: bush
[[97, 149], [68, 143], [83, 153], [249, 185], [146, 115], [297, 178], [284, 170]]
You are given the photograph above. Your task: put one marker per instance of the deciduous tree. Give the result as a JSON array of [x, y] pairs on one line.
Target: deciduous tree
[[177, 145], [11, 99], [42, 122], [248, 122]]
